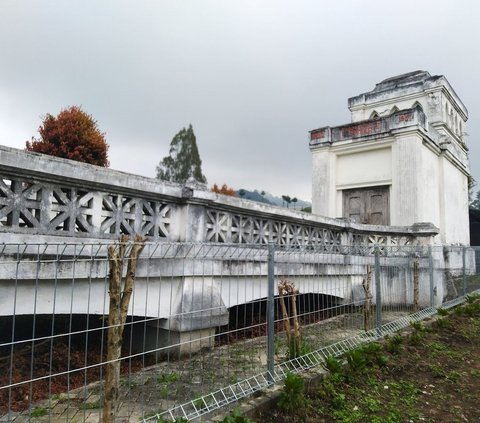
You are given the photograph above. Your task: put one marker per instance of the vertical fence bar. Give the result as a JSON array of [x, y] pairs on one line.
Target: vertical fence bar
[[430, 274], [378, 290], [270, 310], [464, 267]]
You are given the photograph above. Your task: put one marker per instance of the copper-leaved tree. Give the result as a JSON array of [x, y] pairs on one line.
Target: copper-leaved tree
[[72, 134], [224, 189]]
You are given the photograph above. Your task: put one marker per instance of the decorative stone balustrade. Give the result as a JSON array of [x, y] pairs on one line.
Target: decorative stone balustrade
[[45, 199]]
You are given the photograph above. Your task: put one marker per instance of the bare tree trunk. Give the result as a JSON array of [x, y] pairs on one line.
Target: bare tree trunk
[[286, 317], [296, 324], [287, 288], [367, 306], [118, 310], [416, 285]]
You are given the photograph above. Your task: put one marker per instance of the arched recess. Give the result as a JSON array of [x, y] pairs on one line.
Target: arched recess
[[417, 105], [394, 110], [374, 115]]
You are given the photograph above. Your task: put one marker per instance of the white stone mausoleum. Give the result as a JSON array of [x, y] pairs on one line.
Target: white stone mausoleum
[[401, 161]]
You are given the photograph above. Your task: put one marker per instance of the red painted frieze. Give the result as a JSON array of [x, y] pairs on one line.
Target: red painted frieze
[[316, 135], [361, 129], [405, 117]]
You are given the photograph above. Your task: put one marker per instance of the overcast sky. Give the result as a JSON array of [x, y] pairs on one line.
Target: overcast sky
[[252, 77]]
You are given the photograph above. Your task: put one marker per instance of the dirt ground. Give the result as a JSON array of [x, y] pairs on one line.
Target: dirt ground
[[430, 373]]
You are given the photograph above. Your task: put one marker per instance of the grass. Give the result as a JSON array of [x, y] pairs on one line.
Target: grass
[[430, 375], [91, 405], [39, 412]]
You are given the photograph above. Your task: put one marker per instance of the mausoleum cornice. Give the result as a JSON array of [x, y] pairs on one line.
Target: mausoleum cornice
[[369, 129]]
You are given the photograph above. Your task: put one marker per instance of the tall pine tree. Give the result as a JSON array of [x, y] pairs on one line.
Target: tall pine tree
[[183, 161]]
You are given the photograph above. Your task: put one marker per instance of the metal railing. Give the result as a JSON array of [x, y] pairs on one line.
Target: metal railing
[[207, 324]]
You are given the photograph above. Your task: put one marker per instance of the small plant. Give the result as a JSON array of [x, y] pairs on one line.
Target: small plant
[[394, 343], [338, 401], [418, 333], [165, 380], [374, 354], [199, 403], [236, 417], [297, 349], [292, 398], [356, 360], [415, 338], [442, 323], [163, 420], [91, 405], [442, 312], [333, 365], [170, 378], [39, 412], [471, 298], [417, 326], [472, 308]]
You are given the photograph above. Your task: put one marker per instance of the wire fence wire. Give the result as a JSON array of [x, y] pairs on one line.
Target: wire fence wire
[[206, 325]]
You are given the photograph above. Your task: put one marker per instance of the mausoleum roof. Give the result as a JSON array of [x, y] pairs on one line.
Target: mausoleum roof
[[406, 84]]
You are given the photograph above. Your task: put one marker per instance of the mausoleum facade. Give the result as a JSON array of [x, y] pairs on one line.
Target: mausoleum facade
[[402, 160]]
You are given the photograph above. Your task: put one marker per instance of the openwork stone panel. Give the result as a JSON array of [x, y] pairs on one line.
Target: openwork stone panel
[[386, 244], [226, 227], [49, 209]]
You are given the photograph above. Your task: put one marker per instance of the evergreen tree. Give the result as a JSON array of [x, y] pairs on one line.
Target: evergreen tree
[[183, 161]]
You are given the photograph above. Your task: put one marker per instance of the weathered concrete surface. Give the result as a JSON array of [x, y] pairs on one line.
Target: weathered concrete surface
[[408, 134], [47, 199]]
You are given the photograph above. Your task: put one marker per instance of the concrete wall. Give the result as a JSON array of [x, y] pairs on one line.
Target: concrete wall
[[423, 121]]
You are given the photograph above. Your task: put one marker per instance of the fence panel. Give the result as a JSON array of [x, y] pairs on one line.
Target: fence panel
[[197, 336]]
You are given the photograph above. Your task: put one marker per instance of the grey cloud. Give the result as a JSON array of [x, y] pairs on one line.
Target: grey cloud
[[252, 77]]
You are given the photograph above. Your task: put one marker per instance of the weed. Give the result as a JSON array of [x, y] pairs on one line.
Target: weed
[[199, 403], [39, 412], [442, 323], [373, 354], [475, 373], [437, 346], [338, 401], [236, 417], [371, 404], [333, 365], [160, 419], [442, 312], [471, 298], [438, 371], [418, 333], [454, 376], [165, 380], [356, 360], [394, 343], [417, 326], [170, 378], [91, 405], [292, 398], [297, 350]]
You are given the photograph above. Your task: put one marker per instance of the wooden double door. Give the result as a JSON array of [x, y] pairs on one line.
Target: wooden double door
[[367, 205]]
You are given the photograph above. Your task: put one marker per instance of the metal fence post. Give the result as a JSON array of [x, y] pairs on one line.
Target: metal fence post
[[270, 311], [464, 267], [430, 274], [378, 290]]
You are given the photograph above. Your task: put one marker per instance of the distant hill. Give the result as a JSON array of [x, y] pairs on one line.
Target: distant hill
[[268, 198]]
